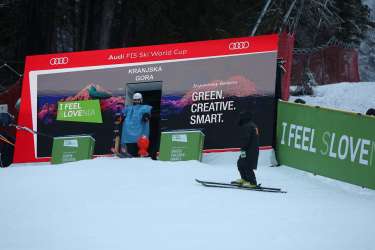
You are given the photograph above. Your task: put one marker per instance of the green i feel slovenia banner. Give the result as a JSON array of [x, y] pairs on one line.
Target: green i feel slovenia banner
[[80, 111], [336, 144]]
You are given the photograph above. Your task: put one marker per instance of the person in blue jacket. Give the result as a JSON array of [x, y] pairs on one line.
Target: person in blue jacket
[[136, 124]]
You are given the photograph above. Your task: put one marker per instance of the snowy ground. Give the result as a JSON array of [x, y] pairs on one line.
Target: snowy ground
[[355, 97], [110, 203]]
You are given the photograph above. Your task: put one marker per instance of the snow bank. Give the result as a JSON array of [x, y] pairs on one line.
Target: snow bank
[[353, 97]]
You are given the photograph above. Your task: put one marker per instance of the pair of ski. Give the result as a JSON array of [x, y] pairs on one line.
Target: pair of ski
[[235, 186]]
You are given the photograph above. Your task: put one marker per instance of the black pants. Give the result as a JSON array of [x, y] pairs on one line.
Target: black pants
[[247, 174], [132, 149]]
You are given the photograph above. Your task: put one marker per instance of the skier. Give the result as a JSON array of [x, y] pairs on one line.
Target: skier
[[136, 124], [248, 159]]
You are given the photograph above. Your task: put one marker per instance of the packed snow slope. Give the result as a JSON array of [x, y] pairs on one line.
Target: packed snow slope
[[111, 203], [355, 97]]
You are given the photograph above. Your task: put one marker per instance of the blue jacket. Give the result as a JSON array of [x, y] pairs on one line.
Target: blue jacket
[[133, 126]]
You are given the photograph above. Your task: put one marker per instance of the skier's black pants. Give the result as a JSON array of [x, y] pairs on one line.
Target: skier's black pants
[[247, 173]]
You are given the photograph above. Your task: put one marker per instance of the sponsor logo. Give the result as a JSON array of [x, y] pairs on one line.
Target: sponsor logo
[[71, 143], [59, 60], [179, 137], [239, 45]]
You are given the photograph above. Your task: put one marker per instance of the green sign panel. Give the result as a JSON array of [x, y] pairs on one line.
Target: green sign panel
[[181, 145], [336, 144], [72, 148], [80, 111]]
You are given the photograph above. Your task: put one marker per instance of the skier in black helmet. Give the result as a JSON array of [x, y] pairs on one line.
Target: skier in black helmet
[[248, 159]]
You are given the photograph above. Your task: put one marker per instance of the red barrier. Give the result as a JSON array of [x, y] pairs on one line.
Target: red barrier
[[286, 46], [329, 65]]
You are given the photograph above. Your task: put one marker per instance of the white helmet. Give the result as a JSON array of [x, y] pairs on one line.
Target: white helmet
[[137, 96]]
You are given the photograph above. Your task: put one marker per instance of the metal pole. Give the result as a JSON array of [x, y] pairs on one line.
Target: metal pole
[[286, 17], [260, 17]]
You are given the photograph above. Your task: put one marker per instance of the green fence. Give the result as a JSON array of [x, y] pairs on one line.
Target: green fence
[[336, 144]]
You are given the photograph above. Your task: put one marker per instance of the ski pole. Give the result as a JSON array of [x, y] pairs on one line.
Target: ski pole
[[30, 130]]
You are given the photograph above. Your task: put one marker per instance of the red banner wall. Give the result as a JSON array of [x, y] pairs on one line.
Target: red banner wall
[[329, 65]]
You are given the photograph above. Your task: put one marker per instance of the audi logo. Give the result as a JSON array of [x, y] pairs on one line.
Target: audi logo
[[239, 45], [58, 60]]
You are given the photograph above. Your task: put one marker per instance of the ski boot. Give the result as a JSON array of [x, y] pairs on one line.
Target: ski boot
[[248, 185], [238, 182]]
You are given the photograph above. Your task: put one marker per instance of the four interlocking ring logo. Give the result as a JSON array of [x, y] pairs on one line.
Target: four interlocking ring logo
[[239, 45], [58, 60]]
